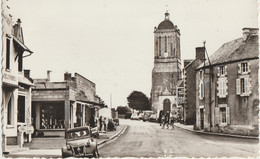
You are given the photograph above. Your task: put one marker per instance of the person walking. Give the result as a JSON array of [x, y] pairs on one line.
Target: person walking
[[160, 117], [172, 121], [105, 124], [167, 119], [100, 123]]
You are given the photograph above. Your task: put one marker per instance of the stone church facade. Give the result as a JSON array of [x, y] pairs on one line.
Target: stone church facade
[[167, 65]]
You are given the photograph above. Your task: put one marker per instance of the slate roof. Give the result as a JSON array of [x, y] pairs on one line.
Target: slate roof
[[235, 50]]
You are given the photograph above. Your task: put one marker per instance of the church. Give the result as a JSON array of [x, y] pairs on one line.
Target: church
[[166, 73]]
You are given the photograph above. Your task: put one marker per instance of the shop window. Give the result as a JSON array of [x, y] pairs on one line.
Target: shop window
[[10, 112], [52, 116], [7, 53], [79, 113], [21, 109]]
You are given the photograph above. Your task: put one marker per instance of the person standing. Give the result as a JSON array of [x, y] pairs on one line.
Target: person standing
[[160, 117], [100, 123], [167, 119], [105, 124]]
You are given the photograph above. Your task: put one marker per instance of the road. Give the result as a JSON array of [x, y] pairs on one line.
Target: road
[[145, 139]]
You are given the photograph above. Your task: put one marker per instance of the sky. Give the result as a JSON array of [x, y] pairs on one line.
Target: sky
[[111, 42]]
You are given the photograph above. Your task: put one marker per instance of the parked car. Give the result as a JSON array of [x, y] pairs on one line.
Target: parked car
[[79, 143], [111, 125], [128, 115], [140, 116], [116, 121], [134, 117], [147, 114], [153, 118]]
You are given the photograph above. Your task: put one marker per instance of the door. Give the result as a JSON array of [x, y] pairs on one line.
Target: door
[[166, 105], [202, 118]]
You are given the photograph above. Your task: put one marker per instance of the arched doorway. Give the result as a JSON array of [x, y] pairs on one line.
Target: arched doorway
[[166, 105]]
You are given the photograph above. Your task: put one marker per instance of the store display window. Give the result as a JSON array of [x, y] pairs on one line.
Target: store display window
[[52, 116]]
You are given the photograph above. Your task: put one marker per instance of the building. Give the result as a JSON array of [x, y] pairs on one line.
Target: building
[[167, 65], [178, 110], [57, 106], [189, 74], [16, 86], [227, 87]]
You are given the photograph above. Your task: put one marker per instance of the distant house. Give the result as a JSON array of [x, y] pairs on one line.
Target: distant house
[[227, 87], [16, 85], [57, 106], [189, 81]]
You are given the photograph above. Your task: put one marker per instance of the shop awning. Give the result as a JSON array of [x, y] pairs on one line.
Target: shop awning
[[85, 99], [18, 42]]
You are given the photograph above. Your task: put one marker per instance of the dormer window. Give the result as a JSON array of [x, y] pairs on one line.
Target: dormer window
[[222, 71], [244, 68]]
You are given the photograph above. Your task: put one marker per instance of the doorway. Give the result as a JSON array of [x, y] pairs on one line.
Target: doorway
[[166, 105], [202, 118]]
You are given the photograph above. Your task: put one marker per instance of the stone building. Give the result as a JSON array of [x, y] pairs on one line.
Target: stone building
[[189, 76], [167, 65], [16, 86], [227, 87], [57, 106]]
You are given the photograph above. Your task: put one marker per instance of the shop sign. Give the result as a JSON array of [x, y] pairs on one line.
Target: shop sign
[[28, 129]]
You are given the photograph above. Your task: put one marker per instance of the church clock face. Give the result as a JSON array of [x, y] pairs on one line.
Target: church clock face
[[165, 54]]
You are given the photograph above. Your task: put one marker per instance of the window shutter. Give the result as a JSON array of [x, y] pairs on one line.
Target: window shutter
[[249, 87], [202, 90], [238, 86], [225, 70], [249, 67], [218, 86], [228, 115], [218, 71], [226, 85], [246, 86], [216, 115], [239, 68]]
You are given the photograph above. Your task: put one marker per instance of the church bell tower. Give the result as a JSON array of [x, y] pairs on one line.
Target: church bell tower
[[167, 65]]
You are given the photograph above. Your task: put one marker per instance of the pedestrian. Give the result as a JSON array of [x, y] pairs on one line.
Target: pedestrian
[[172, 121], [162, 120], [167, 119], [100, 123], [105, 124], [160, 117]]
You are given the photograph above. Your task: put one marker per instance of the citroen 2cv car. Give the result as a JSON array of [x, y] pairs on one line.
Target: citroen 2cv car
[[79, 143]]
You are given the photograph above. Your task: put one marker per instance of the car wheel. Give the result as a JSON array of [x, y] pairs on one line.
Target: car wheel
[[95, 154]]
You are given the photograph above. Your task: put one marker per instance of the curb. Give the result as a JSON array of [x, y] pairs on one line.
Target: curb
[[218, 134], [112, 137]]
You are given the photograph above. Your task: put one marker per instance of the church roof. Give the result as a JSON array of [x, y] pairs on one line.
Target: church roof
[[166, 24]]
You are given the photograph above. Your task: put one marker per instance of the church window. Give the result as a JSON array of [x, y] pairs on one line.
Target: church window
[[159, 46], [171, 50], [165, 43]]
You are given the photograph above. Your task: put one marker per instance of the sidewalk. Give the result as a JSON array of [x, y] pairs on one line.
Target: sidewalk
[[51, 147], [190, 128]]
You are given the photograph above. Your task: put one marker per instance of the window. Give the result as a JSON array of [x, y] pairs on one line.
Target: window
[[223, 115], [244, 67], [159, 46], [20, 62], [10, 112], [7, 53], [201, 74], [222, 71], [201, 90], [165, 43], [222, 87], [171, 50], [243, 85], [21, 109]]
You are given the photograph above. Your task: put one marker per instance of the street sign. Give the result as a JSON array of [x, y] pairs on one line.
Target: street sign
[[22, 128], [28, 129]]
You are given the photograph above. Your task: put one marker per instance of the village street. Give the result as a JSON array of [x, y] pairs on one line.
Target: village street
[[145, 139]]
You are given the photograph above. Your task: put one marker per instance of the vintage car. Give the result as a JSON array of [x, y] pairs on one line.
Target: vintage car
[[79, 143]]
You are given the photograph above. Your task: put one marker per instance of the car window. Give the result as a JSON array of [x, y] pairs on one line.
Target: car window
[[78, 134]]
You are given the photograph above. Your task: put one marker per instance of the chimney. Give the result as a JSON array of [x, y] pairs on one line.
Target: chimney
[[247, 32], [27, 73], [200, 53], [48, 75], [67, 76]]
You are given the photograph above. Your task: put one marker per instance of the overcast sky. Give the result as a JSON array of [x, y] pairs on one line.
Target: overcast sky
[[110, 42]]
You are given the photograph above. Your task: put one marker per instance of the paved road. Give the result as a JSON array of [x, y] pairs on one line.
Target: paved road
[[144, 139]]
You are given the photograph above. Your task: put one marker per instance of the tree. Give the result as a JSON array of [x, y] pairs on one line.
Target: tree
[[138, 100], [122, 109]]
